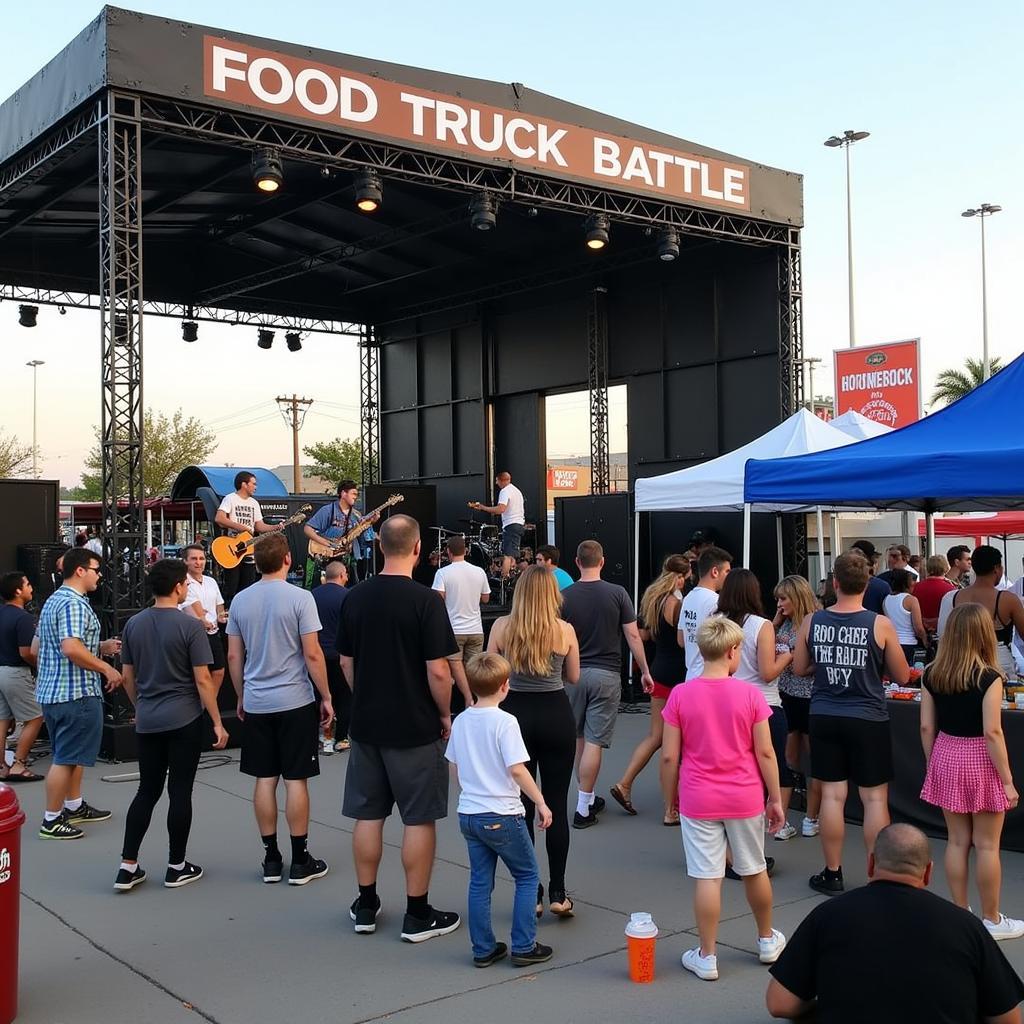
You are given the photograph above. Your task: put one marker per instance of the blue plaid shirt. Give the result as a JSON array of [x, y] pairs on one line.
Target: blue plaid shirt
[[65, 614]]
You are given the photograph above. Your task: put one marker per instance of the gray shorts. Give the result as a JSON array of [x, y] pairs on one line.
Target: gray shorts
[[595, 704], [18, 694], [470, 645], [414, 778]]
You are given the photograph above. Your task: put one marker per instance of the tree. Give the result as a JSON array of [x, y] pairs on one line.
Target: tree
[[15, 457], [171, 444], [951, 385], [340, 459]]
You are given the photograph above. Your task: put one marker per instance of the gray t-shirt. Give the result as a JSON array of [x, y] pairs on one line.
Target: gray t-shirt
[[598, 610], [163, 646], [848, 665], [271, 617]]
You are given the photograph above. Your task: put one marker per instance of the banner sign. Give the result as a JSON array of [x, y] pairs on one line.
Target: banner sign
[[300, 88], [563, 479], [881, 383]]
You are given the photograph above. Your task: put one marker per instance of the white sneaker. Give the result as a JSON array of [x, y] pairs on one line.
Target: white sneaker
[[768, 949], [809, 827], [328, 747], [786, 832], [1004, 928], [705, 967]]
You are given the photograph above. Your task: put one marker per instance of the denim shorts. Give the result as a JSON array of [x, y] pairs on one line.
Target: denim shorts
[[512, 539], [76, 730]]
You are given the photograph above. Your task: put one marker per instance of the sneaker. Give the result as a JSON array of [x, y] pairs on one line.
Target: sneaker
[[175, 878], [272, 870], [705, 967], [595, 808], [300, 874], [538, 955], [786, 832], [584, 820], [59, 829], [499, 952], [769, 866], [826, 882], [87, 813], [364, 917], [127, 880], [328, 748], [1004, 928], [440, 922], [809, 828], [769, 949]]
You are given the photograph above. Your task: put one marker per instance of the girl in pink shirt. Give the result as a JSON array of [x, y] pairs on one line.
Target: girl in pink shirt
[[717, 738]]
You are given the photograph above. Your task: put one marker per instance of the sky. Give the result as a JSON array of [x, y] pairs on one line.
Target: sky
[[936, 83]]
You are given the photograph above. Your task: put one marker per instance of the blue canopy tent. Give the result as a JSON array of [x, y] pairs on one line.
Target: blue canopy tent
[[211, 484]]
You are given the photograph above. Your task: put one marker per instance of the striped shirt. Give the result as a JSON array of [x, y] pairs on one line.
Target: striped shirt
[[66, 614]]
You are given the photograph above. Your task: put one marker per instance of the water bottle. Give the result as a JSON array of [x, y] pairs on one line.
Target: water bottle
[[641, 936]]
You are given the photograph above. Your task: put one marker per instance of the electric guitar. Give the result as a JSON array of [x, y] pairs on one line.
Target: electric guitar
[[343, 545], [229, 551]]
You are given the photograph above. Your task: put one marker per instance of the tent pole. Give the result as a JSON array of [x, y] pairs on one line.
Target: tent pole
[[636, 583], [929, 532], [778, 544], [837, 545], [821, 541], [149, 528], [746, 534]]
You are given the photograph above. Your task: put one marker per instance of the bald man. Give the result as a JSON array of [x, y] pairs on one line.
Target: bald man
[[511, 507]]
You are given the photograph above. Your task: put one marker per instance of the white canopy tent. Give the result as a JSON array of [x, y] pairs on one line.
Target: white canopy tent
[[857, 426]]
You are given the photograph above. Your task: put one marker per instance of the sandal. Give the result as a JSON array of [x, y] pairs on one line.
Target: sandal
[[560, 903], [342, 745], [671, 821], [540, 901], [622, 800], [24, 776]]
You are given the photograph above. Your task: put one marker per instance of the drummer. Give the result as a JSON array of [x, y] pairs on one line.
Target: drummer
[[511, 506]]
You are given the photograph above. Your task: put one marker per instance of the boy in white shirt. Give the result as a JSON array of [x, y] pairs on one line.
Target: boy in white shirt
[[487, 748]]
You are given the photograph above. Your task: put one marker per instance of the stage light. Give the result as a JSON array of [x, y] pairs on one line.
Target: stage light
[[27, 315], [267, 170], [369, 191], [294, 341], [265, 338], [62, 310], [189, 330], [481, 212], [597, 231], [668, 245]]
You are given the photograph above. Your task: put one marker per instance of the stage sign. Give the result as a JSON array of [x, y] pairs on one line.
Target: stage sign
[[302, 88], [563, 479], [880, 382]]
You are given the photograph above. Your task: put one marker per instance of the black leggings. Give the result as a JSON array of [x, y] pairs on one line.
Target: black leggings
[[549, 732], [341, 696], [174, 756]]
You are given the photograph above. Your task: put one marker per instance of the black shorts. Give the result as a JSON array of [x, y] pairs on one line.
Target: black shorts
[[219, 662], [798, 712], [850, 750], [414, 778], [779, 730], [281, 743]]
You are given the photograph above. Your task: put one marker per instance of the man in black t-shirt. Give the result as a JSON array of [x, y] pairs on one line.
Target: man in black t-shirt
[[848, 961], [394, 639], [17, 686]]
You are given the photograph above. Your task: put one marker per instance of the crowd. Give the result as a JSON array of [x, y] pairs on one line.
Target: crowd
[[746, 707]]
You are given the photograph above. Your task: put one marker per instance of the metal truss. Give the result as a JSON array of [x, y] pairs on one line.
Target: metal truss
[[369, 407], [121, 440], [597, 383], [791, 320]]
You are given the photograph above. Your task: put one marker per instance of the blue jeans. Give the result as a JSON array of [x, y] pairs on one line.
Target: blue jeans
[[490, 836]]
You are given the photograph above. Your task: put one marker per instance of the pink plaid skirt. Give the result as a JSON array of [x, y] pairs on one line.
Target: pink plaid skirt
[[961, 777]]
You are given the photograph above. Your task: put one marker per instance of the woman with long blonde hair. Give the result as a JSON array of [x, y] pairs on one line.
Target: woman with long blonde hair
[[544, 655], [968, 768], [659, 612]]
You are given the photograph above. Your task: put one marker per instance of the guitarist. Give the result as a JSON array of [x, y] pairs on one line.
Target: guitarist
[[240, 512], [333, 521]]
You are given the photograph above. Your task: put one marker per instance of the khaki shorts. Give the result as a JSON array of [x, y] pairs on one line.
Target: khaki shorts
[[704, 844], [470, 645], [18, 694]]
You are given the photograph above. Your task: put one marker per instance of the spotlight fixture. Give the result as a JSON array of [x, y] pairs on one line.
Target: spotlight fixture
[[62, 310], [27, 315], [369, 191], [481, 212], [267, 170], [189, 330], [597, 231], [668, 245], [265, 338], [294, 341]]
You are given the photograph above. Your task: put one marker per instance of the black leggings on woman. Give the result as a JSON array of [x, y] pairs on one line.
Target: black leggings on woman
[[172, 756], [549, 732]]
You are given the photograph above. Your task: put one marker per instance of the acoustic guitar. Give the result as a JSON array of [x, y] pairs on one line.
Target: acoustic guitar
[[229, 551], [342, 546]]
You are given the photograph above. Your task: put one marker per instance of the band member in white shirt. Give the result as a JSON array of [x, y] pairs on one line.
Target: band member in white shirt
[[240, 512], [511, 507]]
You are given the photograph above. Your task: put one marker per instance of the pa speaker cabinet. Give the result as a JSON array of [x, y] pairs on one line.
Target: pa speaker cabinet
[[39, 563], [30, 516], [600, 517]]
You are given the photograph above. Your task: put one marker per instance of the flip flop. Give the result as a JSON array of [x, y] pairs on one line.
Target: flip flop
[[620, 798], [670, 824]]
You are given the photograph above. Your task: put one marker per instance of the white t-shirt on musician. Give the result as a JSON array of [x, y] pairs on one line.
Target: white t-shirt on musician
[[246, 511], [515, 505], [463, 585], [698, 604]]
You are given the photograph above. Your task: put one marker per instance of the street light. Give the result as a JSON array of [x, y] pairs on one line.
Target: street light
[[35, 364], [846, 140], [983, 211]]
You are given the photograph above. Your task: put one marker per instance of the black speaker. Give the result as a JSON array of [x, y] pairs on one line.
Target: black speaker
[[419, 501], [39, 563], [601, 517]]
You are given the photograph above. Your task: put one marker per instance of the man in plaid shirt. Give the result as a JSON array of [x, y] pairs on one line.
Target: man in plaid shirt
[[69, 690]]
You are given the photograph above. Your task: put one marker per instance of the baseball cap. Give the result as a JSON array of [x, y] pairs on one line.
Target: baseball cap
[[866, 548]]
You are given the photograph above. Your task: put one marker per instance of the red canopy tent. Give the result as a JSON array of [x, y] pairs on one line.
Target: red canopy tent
[[985, 524]]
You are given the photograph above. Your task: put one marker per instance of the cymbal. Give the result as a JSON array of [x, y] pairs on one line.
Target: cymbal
[[472, 522]]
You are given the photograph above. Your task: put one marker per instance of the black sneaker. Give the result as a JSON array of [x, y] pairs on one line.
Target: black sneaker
[[583, 820], [499, 952], [272, 870], [127, 880], [769, 864], [827, 882], [87, 813], [538, 955], [59, 829], [364, 917], [598, 805], [300, 874], [175, 878], [440, 922]]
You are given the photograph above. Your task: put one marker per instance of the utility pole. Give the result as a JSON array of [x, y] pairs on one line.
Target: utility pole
[[810, 362], [293, 417]]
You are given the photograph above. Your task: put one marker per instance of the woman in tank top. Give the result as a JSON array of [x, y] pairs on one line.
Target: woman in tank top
[[968, 768], [659, 611], [544, 654], [903, 610]]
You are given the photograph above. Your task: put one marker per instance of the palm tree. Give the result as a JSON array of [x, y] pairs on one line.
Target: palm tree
[[953, 384]]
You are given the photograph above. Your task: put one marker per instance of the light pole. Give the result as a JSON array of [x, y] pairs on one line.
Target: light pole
[[35, 364], [846, 140], [983, 211]]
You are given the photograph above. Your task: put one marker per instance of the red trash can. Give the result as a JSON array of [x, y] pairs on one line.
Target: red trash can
[[11, 819]]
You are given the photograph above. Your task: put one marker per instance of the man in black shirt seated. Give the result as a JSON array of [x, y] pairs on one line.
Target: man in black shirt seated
[[848, 961]]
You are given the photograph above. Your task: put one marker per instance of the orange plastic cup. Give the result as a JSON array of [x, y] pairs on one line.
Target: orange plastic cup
[[641, 944]]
